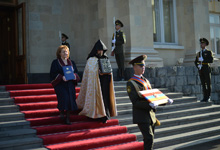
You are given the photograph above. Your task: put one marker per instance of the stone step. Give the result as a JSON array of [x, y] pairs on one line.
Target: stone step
[[2, 88], [126, 103], [172, 130], [202, 144], [187, 112], [168, 108], [127, 118], [6, 101], [132, 128], [13, 125], [186, 136], [119, 94], [11, 116], [20, 144], [189, 119], [4, 94], [182, 106], [119, 87], [184, 99], [9, 109], [41, 148], [17, 134]]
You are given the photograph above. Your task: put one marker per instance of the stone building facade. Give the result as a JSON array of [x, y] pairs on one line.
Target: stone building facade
[[167, 31], [86, 21]]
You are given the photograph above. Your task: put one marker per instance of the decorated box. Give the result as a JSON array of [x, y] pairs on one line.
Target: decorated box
[[154, 96]]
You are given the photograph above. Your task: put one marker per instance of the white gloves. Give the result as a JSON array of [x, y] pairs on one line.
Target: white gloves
[[201, 59], [170, 101], [153, 105], [200, 67], [113, 41]]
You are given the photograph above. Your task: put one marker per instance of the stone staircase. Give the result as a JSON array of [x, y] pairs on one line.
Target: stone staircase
[[184, 122], [15, 131]]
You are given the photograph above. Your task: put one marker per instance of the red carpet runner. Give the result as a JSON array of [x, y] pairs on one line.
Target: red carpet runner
[[38, 102]]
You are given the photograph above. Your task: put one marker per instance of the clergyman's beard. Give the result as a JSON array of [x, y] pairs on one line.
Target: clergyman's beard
[[99, 55]]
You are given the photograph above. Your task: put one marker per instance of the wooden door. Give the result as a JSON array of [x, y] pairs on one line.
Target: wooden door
[[20, 57], [12, 45], [7, 45]]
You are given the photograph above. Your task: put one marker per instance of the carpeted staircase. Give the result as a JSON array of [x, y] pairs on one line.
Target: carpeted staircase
[[38, 123], [33, 123]]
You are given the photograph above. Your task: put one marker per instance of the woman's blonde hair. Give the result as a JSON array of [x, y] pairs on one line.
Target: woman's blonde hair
[[60, 49]]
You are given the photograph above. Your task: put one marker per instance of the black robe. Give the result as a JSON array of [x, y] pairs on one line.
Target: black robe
[[65, 91]]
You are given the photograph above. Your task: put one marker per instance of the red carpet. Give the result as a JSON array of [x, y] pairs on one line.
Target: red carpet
[[38, 102]]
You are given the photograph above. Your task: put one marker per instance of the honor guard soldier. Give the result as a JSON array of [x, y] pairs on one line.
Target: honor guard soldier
[[202, 62], [118, 40], [143, 113], [64, 42]]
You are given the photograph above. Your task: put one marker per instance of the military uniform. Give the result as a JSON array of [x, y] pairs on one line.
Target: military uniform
[[65, 42], [205, 70], [119, 50], [143, 113]]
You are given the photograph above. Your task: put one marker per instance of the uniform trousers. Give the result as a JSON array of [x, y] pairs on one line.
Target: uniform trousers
[[147, 131], [205, 77], [120, 62]]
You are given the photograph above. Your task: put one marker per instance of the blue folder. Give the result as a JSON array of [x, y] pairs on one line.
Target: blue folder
[[69, 73]]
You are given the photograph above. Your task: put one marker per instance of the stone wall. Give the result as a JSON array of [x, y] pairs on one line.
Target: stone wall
[[183, 79]]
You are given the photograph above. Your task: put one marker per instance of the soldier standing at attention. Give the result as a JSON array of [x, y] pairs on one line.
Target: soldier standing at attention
[[118, 40], [64, 42], [203, 58], [143, 113]]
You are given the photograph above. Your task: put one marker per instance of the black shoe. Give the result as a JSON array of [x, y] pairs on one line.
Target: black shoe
[[104, 119], [208, 99]]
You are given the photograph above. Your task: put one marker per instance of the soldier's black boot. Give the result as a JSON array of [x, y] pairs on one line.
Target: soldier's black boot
[[205, 97]]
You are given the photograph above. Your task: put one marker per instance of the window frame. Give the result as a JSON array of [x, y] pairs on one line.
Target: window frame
[[214, 26], [162, 34]]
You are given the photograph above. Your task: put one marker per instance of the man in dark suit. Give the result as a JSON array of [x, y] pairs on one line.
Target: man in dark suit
[[118, 40], [202, 62], [143, 111]]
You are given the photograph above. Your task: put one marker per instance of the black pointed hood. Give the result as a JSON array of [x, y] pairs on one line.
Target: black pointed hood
[[99, 45]]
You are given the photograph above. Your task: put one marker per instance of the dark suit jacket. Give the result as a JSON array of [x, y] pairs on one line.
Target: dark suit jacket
[[142, 112]]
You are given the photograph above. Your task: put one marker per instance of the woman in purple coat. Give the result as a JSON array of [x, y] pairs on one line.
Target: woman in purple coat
[[64, 89]]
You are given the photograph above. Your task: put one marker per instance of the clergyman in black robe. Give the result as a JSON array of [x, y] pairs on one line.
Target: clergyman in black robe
[[97, 97]]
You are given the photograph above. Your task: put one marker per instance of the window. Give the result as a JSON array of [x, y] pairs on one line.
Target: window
[[164, 21], [214, 20]]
